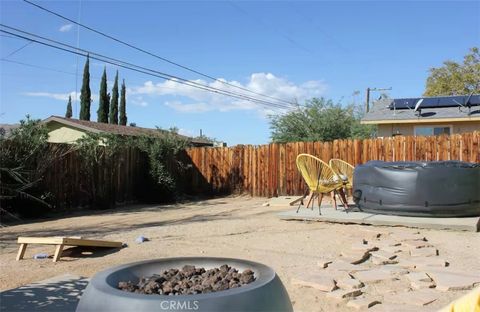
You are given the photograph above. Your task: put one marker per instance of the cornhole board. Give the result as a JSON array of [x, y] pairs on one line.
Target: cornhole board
[[60, 242]]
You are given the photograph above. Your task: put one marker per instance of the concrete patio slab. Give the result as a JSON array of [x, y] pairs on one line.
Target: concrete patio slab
[[329, 214], [60, 293], [284, 201]]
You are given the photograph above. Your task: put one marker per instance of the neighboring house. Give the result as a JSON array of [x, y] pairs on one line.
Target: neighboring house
[[434, 116], [6, 129], [69, 130]]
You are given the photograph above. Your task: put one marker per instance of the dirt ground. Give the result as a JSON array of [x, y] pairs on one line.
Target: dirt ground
[[237, 227]]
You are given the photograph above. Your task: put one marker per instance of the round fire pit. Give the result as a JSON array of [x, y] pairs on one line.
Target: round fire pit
[[266, 293], [424, 189]]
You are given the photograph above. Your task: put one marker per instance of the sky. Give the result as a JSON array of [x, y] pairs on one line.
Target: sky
[[287, 50]]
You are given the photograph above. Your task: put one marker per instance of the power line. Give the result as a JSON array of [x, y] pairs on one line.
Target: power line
[[17, 50], [136, 68], [130, 65], [45, 68], [153, 54]]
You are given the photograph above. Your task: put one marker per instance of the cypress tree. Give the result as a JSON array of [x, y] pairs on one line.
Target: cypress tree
[[102, 112], [85, 94], [113, 118], [68, 114], [123, 105]]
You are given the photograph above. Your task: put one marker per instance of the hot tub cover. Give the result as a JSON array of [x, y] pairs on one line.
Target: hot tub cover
[[439, 188]]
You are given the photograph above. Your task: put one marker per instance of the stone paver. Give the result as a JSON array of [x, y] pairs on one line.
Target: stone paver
[[421, 297], [394, 269], [420, 280], [323, 263], [391, 307], [424, 252], [384, 255], [417, 276], [315, 280], [363, 246], [416, 243], [422, 262], [355, 256], [373, 276], [446, 279], [362, 303], [392, 249], [404, 236], [349, 283], [340, 265], [340, 294]]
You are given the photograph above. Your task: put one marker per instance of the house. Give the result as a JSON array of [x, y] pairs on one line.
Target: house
[[69, 130], [6, 129], [425, 116]]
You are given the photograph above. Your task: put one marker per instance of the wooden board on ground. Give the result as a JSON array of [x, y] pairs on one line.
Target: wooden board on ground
[[60, 242]]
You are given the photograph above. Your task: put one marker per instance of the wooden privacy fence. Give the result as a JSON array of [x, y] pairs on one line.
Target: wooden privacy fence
[[270, 170], [73, 183]]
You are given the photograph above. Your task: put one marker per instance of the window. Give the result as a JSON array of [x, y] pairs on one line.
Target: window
[[432, 130]]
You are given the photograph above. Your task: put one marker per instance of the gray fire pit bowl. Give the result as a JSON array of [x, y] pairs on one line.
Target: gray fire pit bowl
[[266, 293]]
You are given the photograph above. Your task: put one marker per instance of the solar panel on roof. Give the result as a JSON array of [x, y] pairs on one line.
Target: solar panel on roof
[[434, 102]]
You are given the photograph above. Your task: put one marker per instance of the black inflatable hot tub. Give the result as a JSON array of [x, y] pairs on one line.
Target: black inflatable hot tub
[[424, 189]]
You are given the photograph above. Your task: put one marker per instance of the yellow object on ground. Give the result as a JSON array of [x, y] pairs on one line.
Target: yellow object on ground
[[468, 303]]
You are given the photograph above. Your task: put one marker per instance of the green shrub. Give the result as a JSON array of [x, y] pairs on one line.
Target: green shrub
[[23, 163]]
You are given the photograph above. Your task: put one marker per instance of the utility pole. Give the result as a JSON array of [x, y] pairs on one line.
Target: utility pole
[[367, 96]]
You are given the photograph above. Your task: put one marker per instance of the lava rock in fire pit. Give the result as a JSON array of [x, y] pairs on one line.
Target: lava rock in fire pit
[[189, 281]]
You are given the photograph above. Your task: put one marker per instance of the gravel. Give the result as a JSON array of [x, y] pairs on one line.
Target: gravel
[[189, 281]]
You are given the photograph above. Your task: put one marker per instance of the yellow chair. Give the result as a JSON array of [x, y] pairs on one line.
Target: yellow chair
[[468, 303], [320, 178], [344, 171]]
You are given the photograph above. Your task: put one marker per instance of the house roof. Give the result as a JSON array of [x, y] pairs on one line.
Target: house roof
[[383, 112], [99, 127], [7, 129]]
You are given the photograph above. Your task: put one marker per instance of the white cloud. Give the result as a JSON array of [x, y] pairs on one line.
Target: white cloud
[[199, 101], [137, 100], [58, 96], [66, 28]]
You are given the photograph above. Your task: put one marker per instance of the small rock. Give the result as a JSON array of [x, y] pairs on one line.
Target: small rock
[[40, 256], [141, 239]]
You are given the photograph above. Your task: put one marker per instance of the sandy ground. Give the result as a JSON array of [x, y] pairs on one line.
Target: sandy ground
[[228, 227]]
